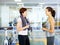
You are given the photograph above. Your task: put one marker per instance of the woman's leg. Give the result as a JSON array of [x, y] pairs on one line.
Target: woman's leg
[[27, 41], [50, 40], [21, 40]]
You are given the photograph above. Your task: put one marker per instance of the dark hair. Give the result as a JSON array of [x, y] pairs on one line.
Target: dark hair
[[22, 10], [51, 10]]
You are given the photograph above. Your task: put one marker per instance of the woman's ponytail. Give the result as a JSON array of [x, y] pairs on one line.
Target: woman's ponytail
[[53, 13]]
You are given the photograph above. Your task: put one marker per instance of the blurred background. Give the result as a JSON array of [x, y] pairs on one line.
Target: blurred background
[[9, 12]]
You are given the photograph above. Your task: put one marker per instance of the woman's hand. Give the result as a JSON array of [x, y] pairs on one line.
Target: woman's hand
[[44, 29], [27, 26]]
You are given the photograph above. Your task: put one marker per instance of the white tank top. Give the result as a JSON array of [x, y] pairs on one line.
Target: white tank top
[[48, 34], [22, 32]]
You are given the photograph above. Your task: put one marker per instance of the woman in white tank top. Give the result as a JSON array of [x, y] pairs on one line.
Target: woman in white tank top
[[22, 28]]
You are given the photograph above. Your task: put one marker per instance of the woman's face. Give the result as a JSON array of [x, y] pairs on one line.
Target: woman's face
[[47, 12], [25, 14]]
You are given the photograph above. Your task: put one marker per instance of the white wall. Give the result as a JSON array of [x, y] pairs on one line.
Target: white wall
[[4, 16], [13, 13], [35, 16]]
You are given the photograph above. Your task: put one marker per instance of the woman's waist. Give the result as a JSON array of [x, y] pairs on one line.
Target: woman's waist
[[50, 34], [23, 32]]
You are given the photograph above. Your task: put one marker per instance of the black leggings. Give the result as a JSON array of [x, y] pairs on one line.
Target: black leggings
[[23, 40], [50, 40]]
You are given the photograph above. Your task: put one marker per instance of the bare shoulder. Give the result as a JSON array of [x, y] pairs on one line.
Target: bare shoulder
[[52, 21]]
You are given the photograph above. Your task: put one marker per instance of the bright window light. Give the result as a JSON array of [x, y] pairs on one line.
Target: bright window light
[[17, 0]]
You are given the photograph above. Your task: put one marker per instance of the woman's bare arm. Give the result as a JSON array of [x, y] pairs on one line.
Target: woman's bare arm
[[19, 28], [52, 24]]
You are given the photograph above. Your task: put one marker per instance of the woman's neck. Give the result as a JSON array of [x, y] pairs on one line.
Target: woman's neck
[[49, 16], [23, 16]]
